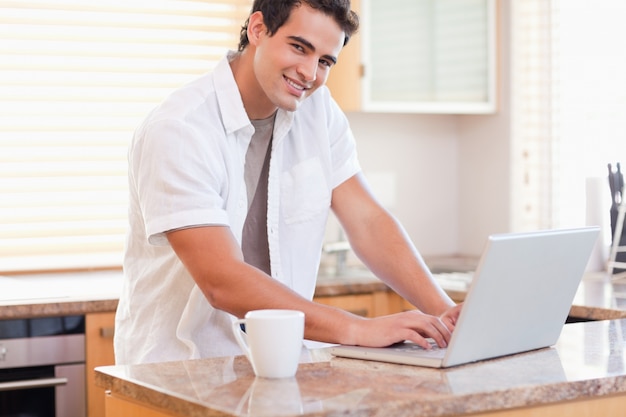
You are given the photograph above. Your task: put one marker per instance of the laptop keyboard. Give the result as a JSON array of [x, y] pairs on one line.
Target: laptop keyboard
[[407, 347]]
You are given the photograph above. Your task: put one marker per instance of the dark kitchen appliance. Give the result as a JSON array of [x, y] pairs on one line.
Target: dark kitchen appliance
[[42, 367], [617, 255]]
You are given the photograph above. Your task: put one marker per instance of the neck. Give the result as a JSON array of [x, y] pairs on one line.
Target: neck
[[254, 99]]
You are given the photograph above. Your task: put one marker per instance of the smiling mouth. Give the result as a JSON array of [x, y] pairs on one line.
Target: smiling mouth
[[298, 87]]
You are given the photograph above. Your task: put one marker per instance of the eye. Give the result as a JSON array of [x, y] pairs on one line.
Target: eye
[[298, 47], [326, 62]]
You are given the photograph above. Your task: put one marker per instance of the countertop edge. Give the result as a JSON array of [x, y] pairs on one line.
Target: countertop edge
[[152, 395], [443, 406], [59, 307]]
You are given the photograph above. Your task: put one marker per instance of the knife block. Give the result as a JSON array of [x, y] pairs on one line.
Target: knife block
[[617, 255]]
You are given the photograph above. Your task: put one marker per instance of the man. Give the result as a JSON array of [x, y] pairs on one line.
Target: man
[[231, 182]]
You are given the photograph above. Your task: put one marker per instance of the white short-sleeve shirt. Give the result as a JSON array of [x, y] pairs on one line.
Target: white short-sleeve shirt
[[186, 168]]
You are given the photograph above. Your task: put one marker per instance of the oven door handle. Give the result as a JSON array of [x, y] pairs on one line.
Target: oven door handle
[[32, 383]]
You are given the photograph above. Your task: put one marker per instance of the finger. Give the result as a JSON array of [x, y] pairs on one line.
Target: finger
[[435, 326], [415, 329], [440, 333], [419, 340], [449, 322], [451, 316], [430, 327]]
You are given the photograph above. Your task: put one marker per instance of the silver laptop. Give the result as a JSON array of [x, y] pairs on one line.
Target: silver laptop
[[518, 300]]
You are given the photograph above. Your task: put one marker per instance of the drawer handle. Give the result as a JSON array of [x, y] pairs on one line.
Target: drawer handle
[[32, 383], [107, 332]]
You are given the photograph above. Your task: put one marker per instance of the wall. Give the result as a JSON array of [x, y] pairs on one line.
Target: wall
[[485, 158], [419, 152]]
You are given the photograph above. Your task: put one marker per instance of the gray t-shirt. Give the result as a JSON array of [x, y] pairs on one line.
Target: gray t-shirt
[[254, 240]]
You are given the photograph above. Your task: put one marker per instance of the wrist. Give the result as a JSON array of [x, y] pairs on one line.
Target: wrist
[[350, 332]]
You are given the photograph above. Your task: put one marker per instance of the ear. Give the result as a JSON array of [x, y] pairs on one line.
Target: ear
[[256, 28]]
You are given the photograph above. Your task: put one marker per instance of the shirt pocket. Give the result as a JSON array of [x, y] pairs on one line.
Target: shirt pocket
[[305, 192]]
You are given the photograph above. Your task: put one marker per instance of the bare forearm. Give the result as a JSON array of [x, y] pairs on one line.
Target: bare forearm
[[389, 253], [382, 244], [243, 288], [214, 260]]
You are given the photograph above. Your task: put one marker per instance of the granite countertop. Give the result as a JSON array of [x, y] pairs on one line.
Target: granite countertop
[[598, 297], [587, 362], [58, 294]]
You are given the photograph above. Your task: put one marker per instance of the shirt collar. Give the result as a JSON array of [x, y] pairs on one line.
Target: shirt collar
[[234, 114]]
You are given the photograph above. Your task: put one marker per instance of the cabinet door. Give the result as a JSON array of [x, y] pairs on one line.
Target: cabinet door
[[377, 303], [429, 56], [99, 328], [359, 304], [116, 407], [344, 80], [398, 304]]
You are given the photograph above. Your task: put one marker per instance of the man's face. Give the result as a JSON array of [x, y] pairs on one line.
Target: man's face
[[295, 61]]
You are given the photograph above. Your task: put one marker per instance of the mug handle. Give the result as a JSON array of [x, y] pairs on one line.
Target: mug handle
[[239, 337]]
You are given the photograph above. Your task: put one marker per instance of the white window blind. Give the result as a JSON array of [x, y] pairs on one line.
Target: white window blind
[[534, 114], [76, 78]]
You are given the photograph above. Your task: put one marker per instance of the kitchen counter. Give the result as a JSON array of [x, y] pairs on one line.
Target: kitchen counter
[[582, 375], [598, 297], [363, 283], [45, 295]]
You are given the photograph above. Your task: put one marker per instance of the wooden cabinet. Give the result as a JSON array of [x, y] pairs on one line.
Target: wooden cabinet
[[118, 406], [345, 77], [360, 304], [398, 304], [374, 304], [421, 56], [99, 329]]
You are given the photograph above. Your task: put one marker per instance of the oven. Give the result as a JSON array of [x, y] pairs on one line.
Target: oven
[[42, 367]]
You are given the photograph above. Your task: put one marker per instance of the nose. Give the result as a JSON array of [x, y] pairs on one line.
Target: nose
[[307, 70]]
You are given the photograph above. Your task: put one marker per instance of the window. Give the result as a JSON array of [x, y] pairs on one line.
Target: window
[[76, 78], [569, 95]]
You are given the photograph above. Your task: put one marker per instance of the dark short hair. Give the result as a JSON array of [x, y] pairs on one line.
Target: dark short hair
[[276, 12]]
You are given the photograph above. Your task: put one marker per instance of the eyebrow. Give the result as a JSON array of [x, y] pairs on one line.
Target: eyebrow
[[310, 46]]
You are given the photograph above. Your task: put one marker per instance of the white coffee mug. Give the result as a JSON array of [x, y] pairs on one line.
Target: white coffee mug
[[272, 341]]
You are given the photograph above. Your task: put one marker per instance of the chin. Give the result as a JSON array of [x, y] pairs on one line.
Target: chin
[[292, 106]]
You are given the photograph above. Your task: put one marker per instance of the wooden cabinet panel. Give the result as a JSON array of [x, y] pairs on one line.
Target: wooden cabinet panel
[[99, 329], [398, 304], [378, 303], [359, 304], [116, 407], [344, 80]]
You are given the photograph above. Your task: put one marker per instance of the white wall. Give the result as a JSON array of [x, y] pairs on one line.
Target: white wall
[[485, 155], [420, 153]]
